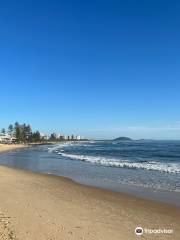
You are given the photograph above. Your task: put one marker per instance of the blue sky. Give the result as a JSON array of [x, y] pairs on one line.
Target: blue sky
[[98, 68]]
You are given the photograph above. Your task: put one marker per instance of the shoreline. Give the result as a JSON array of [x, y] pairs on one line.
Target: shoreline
[[18, 146], [45, 206], [141, 192], [11, 147]]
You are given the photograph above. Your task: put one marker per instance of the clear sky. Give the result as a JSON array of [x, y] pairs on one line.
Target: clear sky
[[98, 68]]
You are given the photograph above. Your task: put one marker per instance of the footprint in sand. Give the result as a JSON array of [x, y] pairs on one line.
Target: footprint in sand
[[6, 232]]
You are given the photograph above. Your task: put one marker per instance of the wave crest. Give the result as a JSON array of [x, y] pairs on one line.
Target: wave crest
[[110, 162]]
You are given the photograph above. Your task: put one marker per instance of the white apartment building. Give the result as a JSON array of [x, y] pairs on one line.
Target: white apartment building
[[78, 138], [6, 138]]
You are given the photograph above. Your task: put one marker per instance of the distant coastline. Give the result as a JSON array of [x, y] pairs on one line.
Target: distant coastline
[[23, 134], [123, 139]]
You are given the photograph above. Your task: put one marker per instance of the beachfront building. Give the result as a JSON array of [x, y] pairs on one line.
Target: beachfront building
[[78, 138], [71, 137], [6, 138], [64, 137], [44, 136]]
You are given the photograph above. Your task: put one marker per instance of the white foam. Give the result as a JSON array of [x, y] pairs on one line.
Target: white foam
[[56, 147], [111, 162]]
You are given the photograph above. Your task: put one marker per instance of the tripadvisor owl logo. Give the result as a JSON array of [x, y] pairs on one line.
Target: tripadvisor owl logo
[[139, 231]]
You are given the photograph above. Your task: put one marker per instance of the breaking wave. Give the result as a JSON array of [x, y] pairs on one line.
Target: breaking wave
[[112, 162]]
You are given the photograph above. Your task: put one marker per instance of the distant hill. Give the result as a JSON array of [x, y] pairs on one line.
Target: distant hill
[[122, 139]]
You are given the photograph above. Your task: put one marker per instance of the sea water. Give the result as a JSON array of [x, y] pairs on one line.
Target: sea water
[[145, 168]]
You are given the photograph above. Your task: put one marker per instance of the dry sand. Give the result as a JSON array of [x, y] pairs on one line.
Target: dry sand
[[45, 207], [9, 147]]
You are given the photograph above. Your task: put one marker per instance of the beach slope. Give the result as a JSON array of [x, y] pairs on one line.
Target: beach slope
[[45, 207], [11, 147]]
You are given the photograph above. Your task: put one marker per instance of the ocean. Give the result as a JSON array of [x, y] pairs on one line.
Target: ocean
[[144, 168]]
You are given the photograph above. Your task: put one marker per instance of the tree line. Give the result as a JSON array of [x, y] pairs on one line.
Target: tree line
[[22, 133]]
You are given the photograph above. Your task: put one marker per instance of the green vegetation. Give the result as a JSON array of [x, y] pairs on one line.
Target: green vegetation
[[22, 133], [3, 130]]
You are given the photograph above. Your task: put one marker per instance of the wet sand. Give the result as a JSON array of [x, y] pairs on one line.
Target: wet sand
[[46, 207], [9, 147]]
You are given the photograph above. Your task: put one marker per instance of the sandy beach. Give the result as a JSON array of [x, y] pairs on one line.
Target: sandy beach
[[46, 207], [9, 147]]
